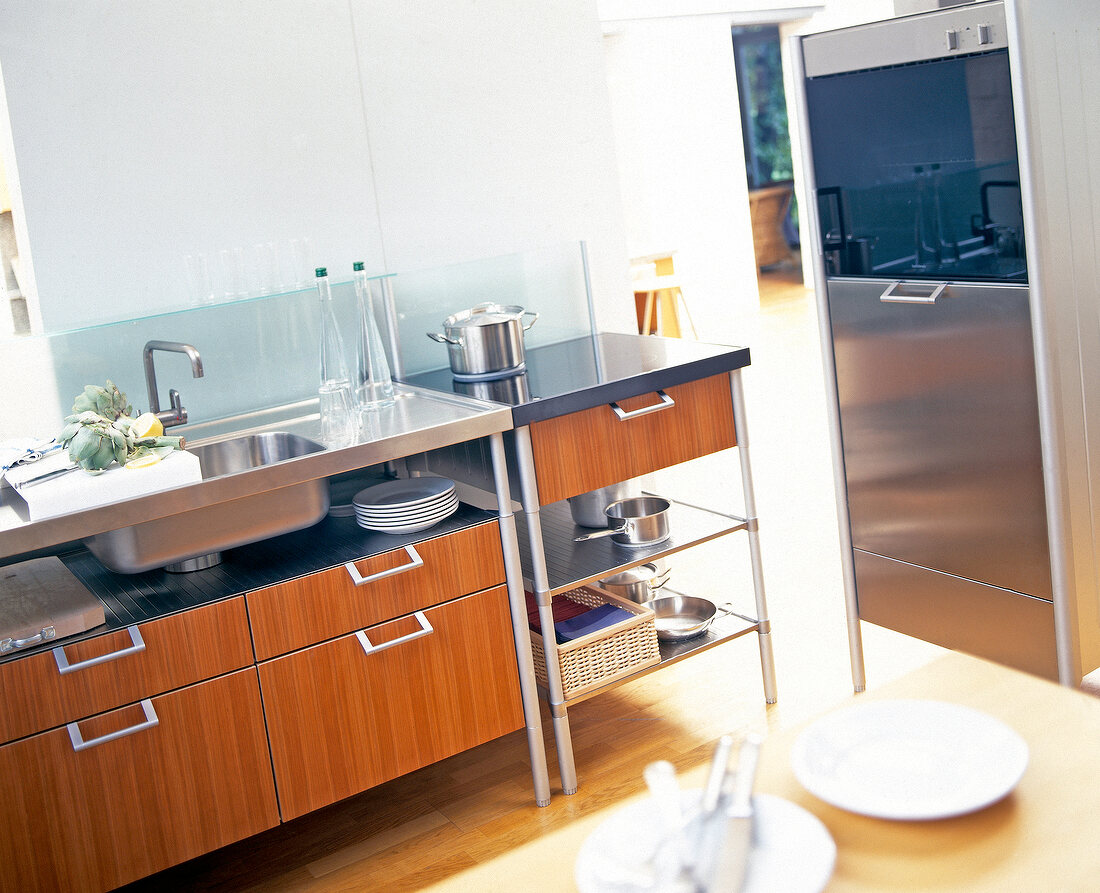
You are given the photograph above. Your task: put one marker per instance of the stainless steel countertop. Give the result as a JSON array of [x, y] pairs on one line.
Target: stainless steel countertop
[[420, 420]]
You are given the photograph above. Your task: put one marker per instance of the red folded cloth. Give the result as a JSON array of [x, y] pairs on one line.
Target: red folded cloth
[[563, 608]]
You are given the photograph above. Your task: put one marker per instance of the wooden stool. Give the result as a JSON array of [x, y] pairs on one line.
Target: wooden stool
[[658, 298]]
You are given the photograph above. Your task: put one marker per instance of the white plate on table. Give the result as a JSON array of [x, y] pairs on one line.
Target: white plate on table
[[792, 851], [404, 493], [909, 759]]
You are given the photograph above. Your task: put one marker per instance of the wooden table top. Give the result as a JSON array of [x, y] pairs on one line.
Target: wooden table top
[[1041, 837]]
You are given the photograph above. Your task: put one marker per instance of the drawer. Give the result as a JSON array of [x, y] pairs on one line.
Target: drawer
[[330, 603], [595, 447], [193, 774], [49, 688], [350, 714]]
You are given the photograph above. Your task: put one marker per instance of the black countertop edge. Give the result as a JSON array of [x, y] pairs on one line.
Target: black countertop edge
[[621, 389]]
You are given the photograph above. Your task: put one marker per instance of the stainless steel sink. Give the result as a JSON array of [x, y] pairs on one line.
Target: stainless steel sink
[[194, 539]]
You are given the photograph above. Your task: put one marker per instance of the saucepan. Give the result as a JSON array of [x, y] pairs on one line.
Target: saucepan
[[680, 617], [637, 521], [486, 338], [588, 509], [639, 584]]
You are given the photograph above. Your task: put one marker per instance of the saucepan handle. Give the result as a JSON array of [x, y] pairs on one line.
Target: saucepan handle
[[626, 527], [534, 318], [443, 339]]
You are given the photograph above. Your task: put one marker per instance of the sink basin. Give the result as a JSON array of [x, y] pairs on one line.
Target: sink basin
[[194, 539]]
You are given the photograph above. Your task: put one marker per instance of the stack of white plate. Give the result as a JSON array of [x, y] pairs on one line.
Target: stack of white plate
[[405, 506]]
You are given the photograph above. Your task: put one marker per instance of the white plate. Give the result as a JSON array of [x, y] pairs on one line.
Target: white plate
[[404, 528], [403, 493], [409, 514], [910, 760], [792, 851], [440, 512], [442, 499]]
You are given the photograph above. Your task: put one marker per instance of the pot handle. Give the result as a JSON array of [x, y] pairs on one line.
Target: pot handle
[[535, 318], [597, 534], [443, 339], [626, 527]]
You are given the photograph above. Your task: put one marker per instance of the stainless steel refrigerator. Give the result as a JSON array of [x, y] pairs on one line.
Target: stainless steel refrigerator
[[926, 319]]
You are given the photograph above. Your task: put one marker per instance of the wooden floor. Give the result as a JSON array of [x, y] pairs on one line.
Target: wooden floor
[[422, 830]]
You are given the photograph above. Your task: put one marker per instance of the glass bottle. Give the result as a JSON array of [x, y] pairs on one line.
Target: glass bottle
[[374, 385], [337, 409]]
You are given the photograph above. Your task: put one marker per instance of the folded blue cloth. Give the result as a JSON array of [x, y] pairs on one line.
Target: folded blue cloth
[[590, 622]]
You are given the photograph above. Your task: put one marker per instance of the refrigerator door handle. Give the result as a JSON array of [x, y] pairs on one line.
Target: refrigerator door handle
[[890, 296]]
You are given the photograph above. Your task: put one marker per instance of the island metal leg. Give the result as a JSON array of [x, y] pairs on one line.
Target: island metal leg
[[528, 687], [764, 632], [556, 696]]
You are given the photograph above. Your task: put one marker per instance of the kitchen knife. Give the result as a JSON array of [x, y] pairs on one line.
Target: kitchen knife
[[733, 858]]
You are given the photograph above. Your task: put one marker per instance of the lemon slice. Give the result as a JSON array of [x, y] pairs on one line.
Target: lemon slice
[[146, 425], [143, 461]]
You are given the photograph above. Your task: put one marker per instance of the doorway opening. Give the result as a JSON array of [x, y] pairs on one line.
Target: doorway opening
[[769, 167]]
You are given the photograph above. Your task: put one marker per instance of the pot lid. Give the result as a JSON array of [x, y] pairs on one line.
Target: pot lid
[[484, 315]]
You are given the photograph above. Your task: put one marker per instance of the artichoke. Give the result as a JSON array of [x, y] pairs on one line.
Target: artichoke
[[108, 402], [100, 430]]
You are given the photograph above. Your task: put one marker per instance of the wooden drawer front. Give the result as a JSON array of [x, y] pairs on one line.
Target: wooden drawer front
[[322, 606], [594, 448], [116, 811], [341, 720], [178, 650]]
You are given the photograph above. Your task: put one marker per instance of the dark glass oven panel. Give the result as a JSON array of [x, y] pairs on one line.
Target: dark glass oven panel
[[917, 171]]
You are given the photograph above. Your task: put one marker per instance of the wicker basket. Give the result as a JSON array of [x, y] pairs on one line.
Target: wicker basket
[[605, 655]]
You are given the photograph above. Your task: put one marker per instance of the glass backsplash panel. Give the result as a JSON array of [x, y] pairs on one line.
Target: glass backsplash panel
[[551, 281], [262, 352]]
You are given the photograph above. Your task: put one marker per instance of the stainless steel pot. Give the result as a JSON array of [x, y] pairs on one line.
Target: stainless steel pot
[[639, 584], [637, 521], [486, 338], [589, 509], [680, 617]]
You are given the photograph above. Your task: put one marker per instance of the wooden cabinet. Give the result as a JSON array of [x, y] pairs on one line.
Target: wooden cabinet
[[72, 681], [349, 714], [321, 606], [83, 810], [596, 447]]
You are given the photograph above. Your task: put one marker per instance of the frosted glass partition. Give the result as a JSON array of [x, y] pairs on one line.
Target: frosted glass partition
[[551, 281], [257, 353]]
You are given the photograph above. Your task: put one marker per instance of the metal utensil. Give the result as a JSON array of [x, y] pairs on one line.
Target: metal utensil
[[45, 476], [733, 858]]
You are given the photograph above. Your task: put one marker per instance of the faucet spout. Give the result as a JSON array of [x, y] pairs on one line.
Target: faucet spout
[[177, 415]]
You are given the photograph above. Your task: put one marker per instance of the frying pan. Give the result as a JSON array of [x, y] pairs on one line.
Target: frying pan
[[684, 616]]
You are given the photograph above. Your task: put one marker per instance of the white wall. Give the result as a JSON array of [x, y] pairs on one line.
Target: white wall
[[411, 135], [682, 168]]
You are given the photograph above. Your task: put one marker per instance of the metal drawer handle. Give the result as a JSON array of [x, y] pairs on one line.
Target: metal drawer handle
[[889, 296], [666, 402], [80, 744], [425, 630], [358, 579], [63, 666], [46, 633]]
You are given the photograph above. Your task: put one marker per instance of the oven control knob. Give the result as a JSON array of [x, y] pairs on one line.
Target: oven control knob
[[952, 39], [985, 35]]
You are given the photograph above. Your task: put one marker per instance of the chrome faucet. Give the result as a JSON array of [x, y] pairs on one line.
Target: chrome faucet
[[177, 415]]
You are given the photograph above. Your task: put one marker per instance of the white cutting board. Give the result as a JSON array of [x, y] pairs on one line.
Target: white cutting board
[[42, 593], [78, 490]]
